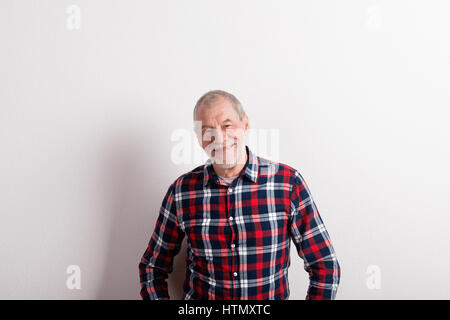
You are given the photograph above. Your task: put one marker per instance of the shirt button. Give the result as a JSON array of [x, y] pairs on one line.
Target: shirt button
[[235, 274], [231, 190], [231, 218], [233, 245]]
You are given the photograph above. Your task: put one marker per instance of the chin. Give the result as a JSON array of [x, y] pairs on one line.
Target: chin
[[226, 166]]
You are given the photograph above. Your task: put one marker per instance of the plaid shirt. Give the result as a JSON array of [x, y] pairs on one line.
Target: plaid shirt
[[239, 235]]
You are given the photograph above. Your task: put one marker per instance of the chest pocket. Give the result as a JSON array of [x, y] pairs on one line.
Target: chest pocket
[[265, 230]]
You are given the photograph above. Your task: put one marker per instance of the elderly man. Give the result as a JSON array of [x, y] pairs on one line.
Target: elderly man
[[238, 212]]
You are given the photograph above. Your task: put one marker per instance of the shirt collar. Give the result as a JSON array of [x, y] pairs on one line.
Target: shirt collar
[[250, 169]]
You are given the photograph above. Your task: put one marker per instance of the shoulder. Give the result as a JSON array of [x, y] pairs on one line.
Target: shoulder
[[288, 172], [193, 176]]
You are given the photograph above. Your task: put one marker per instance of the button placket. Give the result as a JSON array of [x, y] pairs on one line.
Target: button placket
[[231, 219]]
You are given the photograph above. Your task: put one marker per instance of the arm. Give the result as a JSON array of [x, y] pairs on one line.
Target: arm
[[165, 243], [313, 244]]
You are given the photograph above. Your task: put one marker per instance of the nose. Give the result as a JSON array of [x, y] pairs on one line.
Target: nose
[[218, 137]]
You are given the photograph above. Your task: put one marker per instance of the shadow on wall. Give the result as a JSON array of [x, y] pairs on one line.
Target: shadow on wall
[[134, 178]]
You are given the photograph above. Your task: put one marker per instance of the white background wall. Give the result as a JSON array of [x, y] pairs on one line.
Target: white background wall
[[359, 91]]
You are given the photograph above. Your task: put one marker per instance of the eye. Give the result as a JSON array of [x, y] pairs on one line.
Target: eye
[[228, 126]]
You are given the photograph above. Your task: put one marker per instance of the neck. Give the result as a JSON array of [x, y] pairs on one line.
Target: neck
[[234, 171]]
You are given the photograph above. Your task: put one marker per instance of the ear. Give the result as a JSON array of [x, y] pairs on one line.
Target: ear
[[198, 131], [246, 125]]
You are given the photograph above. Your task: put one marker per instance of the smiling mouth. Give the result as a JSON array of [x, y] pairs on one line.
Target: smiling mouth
[[229, 147]]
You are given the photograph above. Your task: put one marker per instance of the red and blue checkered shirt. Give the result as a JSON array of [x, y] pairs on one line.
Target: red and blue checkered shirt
[[239, 235]]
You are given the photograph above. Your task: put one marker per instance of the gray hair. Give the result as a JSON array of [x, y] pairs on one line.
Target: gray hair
[[212, 96]]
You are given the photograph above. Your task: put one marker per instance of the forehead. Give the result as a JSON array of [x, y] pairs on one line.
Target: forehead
[[218, 112]]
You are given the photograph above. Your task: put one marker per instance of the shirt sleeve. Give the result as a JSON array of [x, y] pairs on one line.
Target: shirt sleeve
[[164, 245], [313, 244]]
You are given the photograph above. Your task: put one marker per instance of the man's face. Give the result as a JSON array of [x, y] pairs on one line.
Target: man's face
[[222, 133]]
